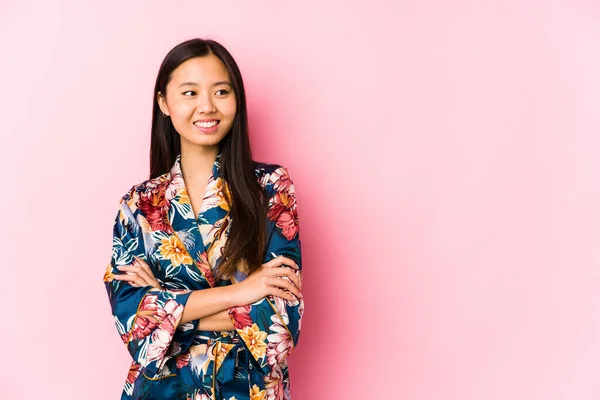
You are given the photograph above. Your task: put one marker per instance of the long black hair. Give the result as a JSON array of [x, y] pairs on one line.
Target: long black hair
[[246, 241]]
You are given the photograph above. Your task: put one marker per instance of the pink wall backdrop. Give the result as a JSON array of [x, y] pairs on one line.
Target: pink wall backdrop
[[446, 161]]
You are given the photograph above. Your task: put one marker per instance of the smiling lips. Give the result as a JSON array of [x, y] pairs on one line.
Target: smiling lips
[[207, 123]]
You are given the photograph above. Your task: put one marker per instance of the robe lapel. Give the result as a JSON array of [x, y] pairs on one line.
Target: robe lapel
[[205, 237]]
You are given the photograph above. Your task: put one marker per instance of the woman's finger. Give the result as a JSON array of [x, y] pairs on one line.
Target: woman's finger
[[125, 277], [139, 271], [144, 265], [295, 277], [131, 279], [282, 293], [281, 260], [283, 284], [149, 274], [286, 272]]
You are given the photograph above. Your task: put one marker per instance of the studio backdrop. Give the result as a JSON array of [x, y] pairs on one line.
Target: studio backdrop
[[445, 158]]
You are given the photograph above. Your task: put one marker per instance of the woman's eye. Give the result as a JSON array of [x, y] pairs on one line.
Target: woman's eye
[[222, 90], [189, 91]]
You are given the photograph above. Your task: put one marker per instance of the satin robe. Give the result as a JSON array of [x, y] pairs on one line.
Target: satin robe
[[156, 223]]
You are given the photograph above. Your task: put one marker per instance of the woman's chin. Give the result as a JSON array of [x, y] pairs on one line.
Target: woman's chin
[[202, 139]]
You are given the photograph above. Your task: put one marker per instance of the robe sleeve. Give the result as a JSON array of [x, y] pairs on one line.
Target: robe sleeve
[[270, 327], [146, 318]]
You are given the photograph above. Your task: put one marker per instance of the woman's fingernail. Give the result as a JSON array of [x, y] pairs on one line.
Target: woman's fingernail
[[119, 267]]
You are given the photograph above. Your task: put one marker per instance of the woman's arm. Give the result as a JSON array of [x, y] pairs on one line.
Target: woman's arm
[[216, 322], [270, 327], [147, 317], [210, 303], [207, 302]]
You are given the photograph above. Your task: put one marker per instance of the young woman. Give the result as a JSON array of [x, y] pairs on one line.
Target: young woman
[[204, 280]]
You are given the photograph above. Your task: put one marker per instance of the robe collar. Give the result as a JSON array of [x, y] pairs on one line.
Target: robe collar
[[203, 237], [177, 184]]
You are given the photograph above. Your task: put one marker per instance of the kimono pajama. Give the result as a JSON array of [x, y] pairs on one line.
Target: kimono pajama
[[156, 223]]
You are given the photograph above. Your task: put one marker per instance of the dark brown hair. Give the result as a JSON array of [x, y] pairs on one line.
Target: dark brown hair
[[246, 241]]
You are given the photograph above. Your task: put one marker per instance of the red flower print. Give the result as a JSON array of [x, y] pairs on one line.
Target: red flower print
[[288, 223], [155, 207], [240, 316], [283, 212], [134, 372], [204, 266], [147, 318]]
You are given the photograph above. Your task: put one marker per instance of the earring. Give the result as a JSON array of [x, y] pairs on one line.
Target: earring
[[165, 115]]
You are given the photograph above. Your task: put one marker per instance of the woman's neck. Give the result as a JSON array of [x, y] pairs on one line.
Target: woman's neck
[[197, 164]]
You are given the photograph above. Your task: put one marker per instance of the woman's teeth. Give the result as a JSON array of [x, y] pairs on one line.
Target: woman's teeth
[[206, 124]]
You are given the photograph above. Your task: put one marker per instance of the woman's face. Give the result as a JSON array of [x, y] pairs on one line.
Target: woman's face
[[200, 101]]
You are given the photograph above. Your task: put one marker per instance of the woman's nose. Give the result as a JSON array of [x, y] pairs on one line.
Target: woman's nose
[[205, 104]]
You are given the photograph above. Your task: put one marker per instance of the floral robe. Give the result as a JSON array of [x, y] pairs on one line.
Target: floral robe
[[156, 223]]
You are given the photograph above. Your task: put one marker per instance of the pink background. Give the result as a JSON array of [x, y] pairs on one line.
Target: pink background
[[445, 156]]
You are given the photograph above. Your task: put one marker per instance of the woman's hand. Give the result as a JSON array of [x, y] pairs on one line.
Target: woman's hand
[[138, 274], [271, 279]]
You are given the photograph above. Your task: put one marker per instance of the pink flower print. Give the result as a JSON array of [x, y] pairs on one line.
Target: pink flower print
[[158, 347], [280, 342], [183, 359], [160, 322], [281, 180], [274, 384]]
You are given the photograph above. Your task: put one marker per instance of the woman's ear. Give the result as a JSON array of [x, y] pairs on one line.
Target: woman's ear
[[162, 103]]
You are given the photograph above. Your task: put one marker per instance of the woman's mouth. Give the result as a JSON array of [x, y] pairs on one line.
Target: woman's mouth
[[207, 126]]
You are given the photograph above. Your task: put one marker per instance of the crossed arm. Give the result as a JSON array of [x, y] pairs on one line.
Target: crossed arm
[[211, 306]]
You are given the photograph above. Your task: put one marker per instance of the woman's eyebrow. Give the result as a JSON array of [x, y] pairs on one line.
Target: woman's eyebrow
[[214, 84]]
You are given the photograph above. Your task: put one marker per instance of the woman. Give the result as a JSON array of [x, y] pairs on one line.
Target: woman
[[204, 280]]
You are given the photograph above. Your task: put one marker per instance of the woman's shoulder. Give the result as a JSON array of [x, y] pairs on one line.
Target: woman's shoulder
[[263, 168], [156, 185], [273, 176]]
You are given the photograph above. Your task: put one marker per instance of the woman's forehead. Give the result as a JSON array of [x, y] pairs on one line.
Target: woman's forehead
[[198, 71]]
